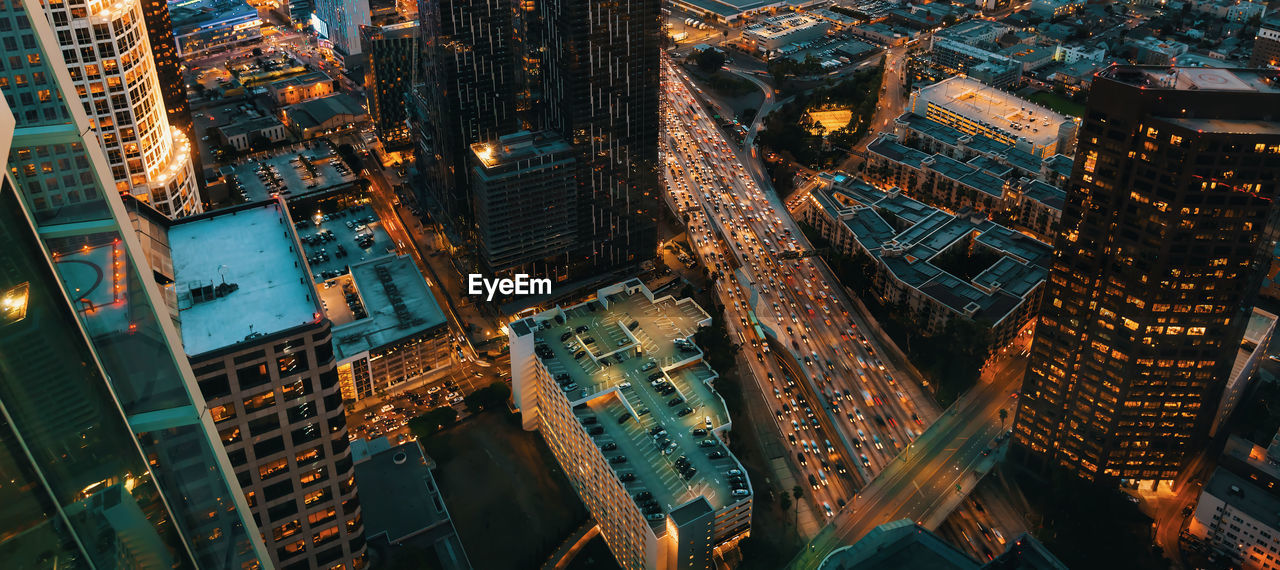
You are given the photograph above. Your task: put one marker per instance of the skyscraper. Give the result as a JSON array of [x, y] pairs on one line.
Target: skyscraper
[[77, 487], [587, 71], [1168, 229], [467, 96], [108, 55], [600, 91], [101, 265], [173, 89], [393, 60]]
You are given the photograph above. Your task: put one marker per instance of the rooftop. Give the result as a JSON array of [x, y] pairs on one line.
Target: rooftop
[[988, 105], [612, 382], [399, 496], [315, 112], [518, 146], [253, 250], [1243, 495], [398, 302], [875, 216], [192, 15], [1195, 78]]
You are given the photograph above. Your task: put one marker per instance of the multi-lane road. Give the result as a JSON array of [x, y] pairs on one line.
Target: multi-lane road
[[857, 411], [832, 391]]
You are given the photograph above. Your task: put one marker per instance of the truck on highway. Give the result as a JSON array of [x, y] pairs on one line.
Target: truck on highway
[[866, 396]]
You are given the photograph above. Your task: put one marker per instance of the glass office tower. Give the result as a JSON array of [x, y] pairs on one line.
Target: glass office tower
[[115, 297]]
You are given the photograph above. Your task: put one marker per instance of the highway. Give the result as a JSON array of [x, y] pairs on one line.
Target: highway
[[871, 413], [868, 411]]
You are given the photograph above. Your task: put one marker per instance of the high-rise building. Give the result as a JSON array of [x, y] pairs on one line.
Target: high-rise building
[[1166, 233], [164, 50], [99, 260], [393, 61], [341, 21], [263, 355], [600, 92], [77, 486], [1266, 45], [525, 194], [466, 95], [108, 55]]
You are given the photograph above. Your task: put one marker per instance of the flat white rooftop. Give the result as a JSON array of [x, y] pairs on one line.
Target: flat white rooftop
[[252, 249]]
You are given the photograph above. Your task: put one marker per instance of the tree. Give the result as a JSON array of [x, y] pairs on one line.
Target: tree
[[257, 52], [785, 502], [433, 421], [708, 60], [1004, 414], [491, 396]]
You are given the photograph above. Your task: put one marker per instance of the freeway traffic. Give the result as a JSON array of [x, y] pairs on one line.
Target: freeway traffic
[[848, 410]]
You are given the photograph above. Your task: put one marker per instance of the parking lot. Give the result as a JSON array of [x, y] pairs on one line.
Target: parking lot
[[346, 237], [302, 169], [643, 398]]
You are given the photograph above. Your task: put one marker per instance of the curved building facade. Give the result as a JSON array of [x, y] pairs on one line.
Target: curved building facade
[[109, 57]]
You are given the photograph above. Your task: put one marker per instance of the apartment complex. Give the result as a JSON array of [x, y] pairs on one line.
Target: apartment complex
[[920, 253], [262, 351], [1132, 351], [595, 379], [524, 186], [109, 58], [960, 172], [393, 62], [388, 330], [976, 108], [104, 270], [982, 65]]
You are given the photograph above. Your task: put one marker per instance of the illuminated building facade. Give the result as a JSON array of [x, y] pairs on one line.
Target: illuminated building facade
[[393, 61], [600, 91], [1166, 233], [1266, 45], [108, 54], [682, 508], [466, 95], [123, 314], [168, 67]]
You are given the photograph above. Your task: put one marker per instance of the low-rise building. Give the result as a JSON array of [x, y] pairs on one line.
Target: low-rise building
[[626, 403], [403, 504], [302, 87], [1050, 9], [925, 257], [1238, 513], [976, 108], [205, 27], [243, 134], [389, 332], [882, 34], [788, 28], [323, 116]]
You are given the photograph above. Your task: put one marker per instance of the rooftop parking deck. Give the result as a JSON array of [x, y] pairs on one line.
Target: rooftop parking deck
[[605, 358]]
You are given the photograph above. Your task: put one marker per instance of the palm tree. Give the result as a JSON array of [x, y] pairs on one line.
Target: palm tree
[[1003, 415]]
